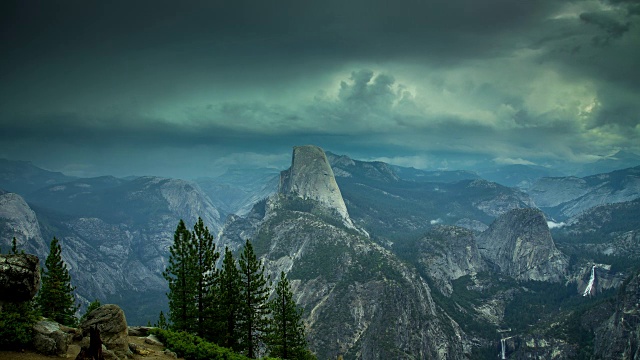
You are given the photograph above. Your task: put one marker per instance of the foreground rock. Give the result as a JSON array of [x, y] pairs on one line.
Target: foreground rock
[[50, 338], [19, 277], [110, 321]]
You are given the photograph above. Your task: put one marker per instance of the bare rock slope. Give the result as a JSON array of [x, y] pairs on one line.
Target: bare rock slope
[[519, 244]]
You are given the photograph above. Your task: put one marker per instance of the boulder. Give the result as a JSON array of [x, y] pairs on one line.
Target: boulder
[[19, 277], [153, 340], [112, 324], [139, 331], [50, 339]]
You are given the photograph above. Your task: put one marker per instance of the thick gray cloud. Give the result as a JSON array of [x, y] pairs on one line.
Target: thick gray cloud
[[416, 82]]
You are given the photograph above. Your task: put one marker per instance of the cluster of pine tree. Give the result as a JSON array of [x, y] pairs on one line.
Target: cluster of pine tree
[[230, 306], [54, 300]]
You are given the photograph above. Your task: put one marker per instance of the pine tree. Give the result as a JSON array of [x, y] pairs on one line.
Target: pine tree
[[182, 281], [254, 310], [285, 338], [206, 257], [56, 300], [162, 322], [227, 303]]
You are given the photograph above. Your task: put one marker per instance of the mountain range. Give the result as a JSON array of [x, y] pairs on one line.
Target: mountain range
[[388, 262]]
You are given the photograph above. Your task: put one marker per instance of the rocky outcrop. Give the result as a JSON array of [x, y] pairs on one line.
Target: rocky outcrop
[[50, 339], [519, 244], [19, 277], [18, 220], [619, 336], [360, 300], [311, 177], [448, 253], [501, 199], [110, 321]]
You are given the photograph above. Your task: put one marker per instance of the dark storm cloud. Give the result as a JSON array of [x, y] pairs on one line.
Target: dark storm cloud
[[280, 29], [493, 79], [605, 21]]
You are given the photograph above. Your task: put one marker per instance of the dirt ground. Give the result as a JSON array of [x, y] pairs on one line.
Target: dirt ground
[[155, 354]]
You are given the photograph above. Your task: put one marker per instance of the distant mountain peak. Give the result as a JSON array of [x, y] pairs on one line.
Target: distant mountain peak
[[311, 177]]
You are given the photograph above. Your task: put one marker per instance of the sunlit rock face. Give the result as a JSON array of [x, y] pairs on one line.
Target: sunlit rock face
[[18, 220], [519, 244], [311, 177]]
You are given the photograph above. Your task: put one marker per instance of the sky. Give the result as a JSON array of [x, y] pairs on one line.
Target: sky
[[191, 88]]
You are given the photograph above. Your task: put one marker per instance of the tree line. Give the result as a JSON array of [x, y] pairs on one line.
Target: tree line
[[55, 301], [230, 305]]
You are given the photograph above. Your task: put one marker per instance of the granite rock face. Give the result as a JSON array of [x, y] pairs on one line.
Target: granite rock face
[[18, 220], [19, 277], [50, 339], [112, 324], [619, 336], [519, 244], [360, 300], [311, 177], [447, 253]]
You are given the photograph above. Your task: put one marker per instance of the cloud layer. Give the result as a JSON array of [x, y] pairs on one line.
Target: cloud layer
[[435, 84]]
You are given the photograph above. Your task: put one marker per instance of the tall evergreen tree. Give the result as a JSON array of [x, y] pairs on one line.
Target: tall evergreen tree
[[56, 300], [227, 303], [205, 273], [180, 274], [254, 291], [285, 338]]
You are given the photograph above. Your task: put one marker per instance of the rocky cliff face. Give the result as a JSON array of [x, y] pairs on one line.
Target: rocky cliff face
[[360, 301], [619, 336], [447, 253], [18, 220], [114, 234], [519, 244], [311, 177]]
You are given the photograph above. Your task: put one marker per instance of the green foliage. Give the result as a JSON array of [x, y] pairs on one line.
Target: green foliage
[[191, 275], [285, 336], [92, 306], [254, 290], [162, 322], [227, 304], [55, 299], [180, 274], [193, 347], [16, 325], [205, 273]]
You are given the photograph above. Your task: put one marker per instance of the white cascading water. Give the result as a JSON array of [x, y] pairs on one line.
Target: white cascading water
[[503, 349], [587, 291]]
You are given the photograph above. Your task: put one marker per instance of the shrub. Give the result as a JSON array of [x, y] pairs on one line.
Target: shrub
[[16, 325], [192, 347]]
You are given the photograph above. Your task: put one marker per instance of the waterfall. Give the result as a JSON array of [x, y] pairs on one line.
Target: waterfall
[[503, 351], [589, 288]]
